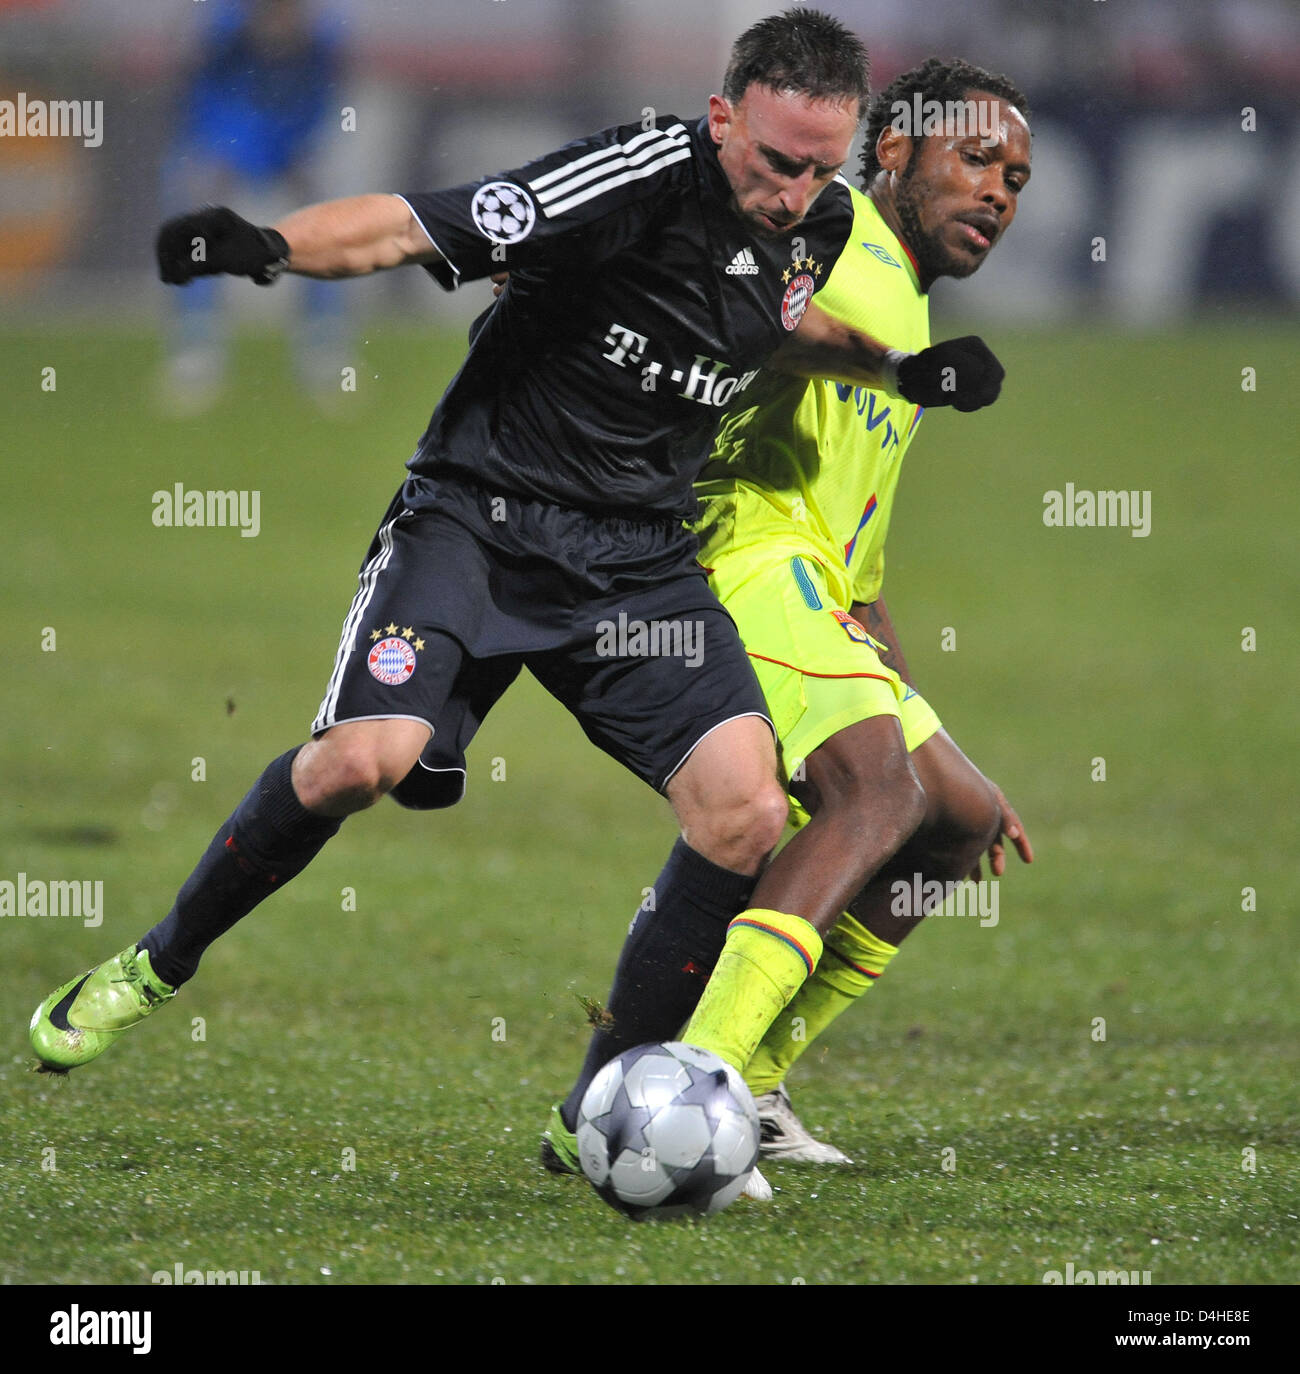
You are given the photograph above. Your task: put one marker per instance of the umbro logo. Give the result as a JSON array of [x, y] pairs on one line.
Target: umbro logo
[[743, 264], [887, 258]]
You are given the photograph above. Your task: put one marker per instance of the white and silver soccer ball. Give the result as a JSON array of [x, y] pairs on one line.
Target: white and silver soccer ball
[[668, 1130]]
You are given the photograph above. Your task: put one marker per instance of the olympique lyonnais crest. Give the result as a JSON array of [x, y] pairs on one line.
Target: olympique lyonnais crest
[[852, 628], [391, 659], [856, 632], [796, 298]]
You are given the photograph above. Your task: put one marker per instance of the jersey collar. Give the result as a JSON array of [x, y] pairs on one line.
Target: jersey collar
[[708, 156], [913, 267]]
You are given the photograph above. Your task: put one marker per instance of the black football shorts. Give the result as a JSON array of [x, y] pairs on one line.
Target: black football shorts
[[613, 616]]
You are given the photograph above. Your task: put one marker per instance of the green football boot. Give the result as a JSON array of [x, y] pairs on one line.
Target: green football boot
[[81, 1019], [559, 1152]]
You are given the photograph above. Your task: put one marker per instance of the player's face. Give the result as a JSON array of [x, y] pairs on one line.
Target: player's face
[[956, 197], [779, 151]]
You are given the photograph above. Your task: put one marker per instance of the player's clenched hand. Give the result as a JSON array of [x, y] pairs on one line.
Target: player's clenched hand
[[213, 240], [1010, 827], [957, 372]]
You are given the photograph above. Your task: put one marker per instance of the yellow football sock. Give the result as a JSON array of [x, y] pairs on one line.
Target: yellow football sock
[[765, 960], [854, 958]]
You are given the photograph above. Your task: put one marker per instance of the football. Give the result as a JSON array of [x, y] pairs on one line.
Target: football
[[668, 1130]]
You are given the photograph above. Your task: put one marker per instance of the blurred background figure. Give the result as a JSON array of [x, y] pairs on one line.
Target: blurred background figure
[[250, 119], [1166, 138]]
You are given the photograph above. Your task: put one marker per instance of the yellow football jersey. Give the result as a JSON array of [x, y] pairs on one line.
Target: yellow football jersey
[[812, 467]]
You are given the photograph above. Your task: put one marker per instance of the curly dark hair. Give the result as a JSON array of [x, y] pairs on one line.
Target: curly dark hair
[[801, 50], [934, 79]]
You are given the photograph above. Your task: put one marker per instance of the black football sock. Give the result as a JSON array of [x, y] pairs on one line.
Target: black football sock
[[268, 839], [666, 960]]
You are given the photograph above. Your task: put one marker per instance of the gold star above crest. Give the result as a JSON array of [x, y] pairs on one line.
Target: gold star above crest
[[817, 269], [390, 628], [419, 644], [785, 276], [374, 634], [408, 632]]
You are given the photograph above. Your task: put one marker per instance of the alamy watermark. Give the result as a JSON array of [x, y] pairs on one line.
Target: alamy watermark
[[626, 638], [27, 118], [915, 896], [81, 899], [178, 1274], [920, 117], [209, 508], [1072, 508], [73, 1326], [1098, 1277]]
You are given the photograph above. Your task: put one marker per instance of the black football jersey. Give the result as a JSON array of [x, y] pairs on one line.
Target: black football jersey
[[639, 305]]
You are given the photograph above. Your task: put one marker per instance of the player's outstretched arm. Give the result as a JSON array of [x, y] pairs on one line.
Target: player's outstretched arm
[[356, 236], [337, 238], [962, 373], [822, 346]]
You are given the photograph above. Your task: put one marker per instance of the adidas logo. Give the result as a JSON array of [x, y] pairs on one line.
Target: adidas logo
[[743, 265]]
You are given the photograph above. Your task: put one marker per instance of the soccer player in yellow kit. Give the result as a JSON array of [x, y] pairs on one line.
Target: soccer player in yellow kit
[[796, 507], [797, 504]]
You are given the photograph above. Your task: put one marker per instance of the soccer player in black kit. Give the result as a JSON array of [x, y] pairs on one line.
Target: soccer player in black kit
[[654, 268]]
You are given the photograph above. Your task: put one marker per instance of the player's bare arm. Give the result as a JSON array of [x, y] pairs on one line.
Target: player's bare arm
[[824, 347], [352, 237]]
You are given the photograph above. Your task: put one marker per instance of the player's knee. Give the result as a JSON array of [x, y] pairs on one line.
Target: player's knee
[[770, 809], [884, 793], [965, 828], [896, 802], [341, 776], [985, 824], [975, 818], [739, 831], [752, 824], [911, 802]]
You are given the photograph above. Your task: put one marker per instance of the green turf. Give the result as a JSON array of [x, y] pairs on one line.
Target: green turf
[[328, 1030]]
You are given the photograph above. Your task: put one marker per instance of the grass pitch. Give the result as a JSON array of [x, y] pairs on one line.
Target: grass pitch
[[352, 1089]]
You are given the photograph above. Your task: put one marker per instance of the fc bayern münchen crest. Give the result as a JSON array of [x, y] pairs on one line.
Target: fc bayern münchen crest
[[391, 661], [503, 212], [796, 298]]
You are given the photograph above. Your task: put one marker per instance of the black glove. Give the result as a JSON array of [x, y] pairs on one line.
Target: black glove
[[226, 244], [974, 380]]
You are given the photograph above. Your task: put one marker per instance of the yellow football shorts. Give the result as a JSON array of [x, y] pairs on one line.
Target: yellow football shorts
[[819, 668]]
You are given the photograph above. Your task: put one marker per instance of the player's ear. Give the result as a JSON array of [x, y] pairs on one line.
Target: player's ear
[[721, 113], [893, 148]]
